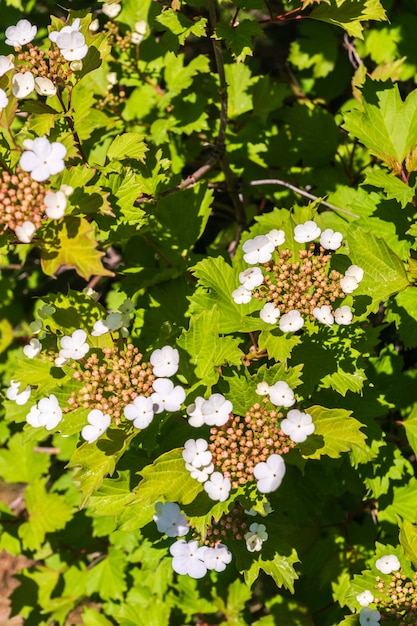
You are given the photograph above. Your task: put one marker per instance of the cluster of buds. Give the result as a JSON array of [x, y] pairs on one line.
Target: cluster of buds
[[48, 70], [292, 287], [396, 600], [21, 200]]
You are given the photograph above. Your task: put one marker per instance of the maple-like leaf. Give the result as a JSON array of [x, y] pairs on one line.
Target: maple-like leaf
[[70, 243]]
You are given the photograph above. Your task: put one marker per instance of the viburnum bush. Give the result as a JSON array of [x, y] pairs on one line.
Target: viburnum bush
[[208, 322]]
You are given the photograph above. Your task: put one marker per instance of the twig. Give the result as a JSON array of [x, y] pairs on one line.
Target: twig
[[353, 56], [301, 192]]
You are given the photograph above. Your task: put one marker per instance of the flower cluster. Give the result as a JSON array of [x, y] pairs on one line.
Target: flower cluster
[[292, 289]]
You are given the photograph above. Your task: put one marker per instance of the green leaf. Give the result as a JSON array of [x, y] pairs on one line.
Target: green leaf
[[403, 312], [48, 512], [108, 577], [278, 346], [342, 381], [386, 125], [167, 479], [240, 82], [178, 28], [394, 188], [127, 146], [408, 540], [19, 462], [410, 425], [239, 38], [207, 350], [349, 14], [280, 568], [403, 503], [336, 431]]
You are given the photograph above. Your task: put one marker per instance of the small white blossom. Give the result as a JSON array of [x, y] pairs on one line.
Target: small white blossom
[[281, 394], [46, 413], [140, 412], [36, 327], [277, 237], [60, 361], [20, 397], [365, 598], [200, 473], [4, 100], [111, 9], [188, 558], [138, 35], [343, 315], [42, 158], [241, 295], [56, 203], [76, 66], [196, 418], [24, 32], [44, 86], [262, 389], [75, 346], [32, 348], [269, 474], [23, 83], [306, 232], [166, 397], [348, 284], [291, 322], [169, 519], [136, 38], [5, 64], [216, 410], [69, 28], [98, 423], [70, 41], [330, 239], [25, 232], [355, 271], [218, 487], [165, 361], [387, 564], [114, 321], [94, 26], [251, 278], [258, 250], [217, 558], [324, 315], [255, 537], [297, 425], [369, 617], [269, 313], [196, 453]]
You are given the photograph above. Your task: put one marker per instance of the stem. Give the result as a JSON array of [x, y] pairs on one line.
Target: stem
[[72, 127]]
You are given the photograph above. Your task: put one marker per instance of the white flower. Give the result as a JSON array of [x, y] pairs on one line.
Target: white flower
[[75, 346], [36, 327], [196, 453], [217, 558], [111, 9], [113, 321], [99, 329], [306, 232], [269, 313], [46, 413], [258, 250], [387, 564], [166, 397], [136, 38], [44, 86], [343, 315], [269, 474], [262, 389], [13, 393], [70, 41], [5, 64], [76, 66], [60, 361], [297, 425], [139, 33], [281, 394], [25, 232], [165, 361], [241, 295], [216, 410], [330, 239], [188, 558], [291, 322], [20, 34], [169, 519], [365, 598], [276, 236], [98, 423], [255, 537], [94, 26], [32, 348], [140, 412], [42, 158], [369, 617], [355, 271], [68, 190], [251, 278], [218, 487], [196, 418], [348, 284], [23, 83], [56, 203], [323, 314], [4, 100], [200, 473]]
